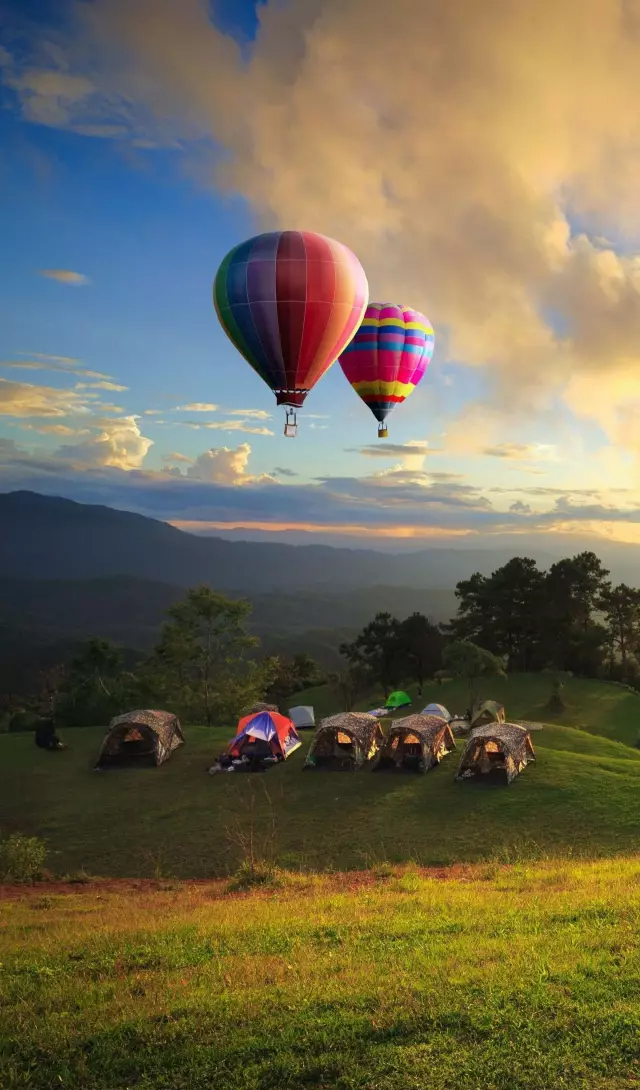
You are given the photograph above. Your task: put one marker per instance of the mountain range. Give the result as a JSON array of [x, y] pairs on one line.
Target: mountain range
[[70, 570], [46, 537]]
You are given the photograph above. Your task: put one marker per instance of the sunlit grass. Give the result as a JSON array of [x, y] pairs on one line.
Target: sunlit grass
[[580, 799], [523, 976]]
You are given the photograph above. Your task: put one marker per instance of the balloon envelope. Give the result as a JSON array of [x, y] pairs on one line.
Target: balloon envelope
[[290, 301], [388, 356]]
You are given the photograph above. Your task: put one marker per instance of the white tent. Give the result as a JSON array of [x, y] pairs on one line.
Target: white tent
[[436, 709], [302, 718]]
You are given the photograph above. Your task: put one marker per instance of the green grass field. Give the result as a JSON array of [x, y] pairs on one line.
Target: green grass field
[[582, 797], [420, 934], [490, 978]]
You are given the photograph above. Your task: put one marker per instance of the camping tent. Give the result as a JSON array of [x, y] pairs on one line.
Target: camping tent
[[302, 717], [436, 709], [496, 749], [141, 737], [267, 736], [398, 700], [260, 706], [415, 744], [489, 712], [345, 742]]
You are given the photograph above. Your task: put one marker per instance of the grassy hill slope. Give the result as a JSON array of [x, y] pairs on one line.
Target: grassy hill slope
[[582, 796], [512, 978], [599, 707]]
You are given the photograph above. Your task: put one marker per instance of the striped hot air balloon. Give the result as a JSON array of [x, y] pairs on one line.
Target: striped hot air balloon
[[290, 301], [387, 357]]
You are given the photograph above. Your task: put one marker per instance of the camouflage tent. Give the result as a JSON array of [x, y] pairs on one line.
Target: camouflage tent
[[260, 706], [415, 744], [501, 749], [140, 737], [345, 742], [488, 712]]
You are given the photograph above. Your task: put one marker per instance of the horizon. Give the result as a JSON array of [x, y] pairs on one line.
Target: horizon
[[545, 550], [135, 162]]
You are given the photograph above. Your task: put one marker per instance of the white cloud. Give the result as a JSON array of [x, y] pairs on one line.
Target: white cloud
[[118, 443], [228, 425], [249, 414], [113, 386], [222, 465], [511, 451], [65, 276], [62, 364], [175, 456], [196, 407]]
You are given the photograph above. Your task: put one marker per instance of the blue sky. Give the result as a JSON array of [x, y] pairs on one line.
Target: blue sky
[[147, 226]]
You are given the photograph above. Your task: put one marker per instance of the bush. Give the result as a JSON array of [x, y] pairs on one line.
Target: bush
[[21, 858], [250, 875]]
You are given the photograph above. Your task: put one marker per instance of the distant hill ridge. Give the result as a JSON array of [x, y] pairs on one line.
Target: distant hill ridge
[[46, 537]]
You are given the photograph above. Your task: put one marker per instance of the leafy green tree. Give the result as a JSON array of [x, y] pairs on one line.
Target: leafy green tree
[[621, 607], [466, 660], [422, 643], [504, 612], [379, 649], [292, 676], [202, 662], [574, 587], [98, 664], [93, 688], [351, 684], [574, 638]]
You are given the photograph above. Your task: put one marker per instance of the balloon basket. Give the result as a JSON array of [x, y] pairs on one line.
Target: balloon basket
[[290, 424], [382, 432]]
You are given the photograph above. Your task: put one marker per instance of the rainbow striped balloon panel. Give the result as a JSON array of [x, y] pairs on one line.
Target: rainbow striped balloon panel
[[290, 301], [388, 356]]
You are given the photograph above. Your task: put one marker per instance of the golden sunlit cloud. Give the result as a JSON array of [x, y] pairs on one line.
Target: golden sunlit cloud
[[206, 526], [22, 399], [65, 276]]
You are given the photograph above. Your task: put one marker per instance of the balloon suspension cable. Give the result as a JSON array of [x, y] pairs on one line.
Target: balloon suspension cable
[[291, 424], [382, 431]]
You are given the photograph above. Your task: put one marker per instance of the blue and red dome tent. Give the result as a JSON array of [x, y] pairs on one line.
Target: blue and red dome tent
[[264, 731]]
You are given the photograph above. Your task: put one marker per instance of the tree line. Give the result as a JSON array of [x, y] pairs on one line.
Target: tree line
[[568, 620], [207, 667]]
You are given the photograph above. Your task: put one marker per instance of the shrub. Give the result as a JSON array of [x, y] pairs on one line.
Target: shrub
[[250, 875], [21, 858]]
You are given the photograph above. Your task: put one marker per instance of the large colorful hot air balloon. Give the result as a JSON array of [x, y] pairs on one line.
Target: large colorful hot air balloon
[[290, 301], [387, 357]]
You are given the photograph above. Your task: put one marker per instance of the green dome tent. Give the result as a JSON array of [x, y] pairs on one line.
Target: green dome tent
[[398, 700]]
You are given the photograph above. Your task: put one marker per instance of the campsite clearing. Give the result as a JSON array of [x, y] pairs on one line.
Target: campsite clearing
[[513, 978], [581, 797]]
